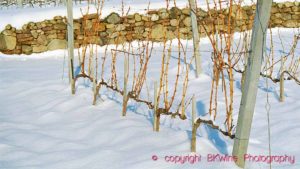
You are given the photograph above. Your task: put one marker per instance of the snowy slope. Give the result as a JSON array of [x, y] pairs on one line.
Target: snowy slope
[[43, 126]]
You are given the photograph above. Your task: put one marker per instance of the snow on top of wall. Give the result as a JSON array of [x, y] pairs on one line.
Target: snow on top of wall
[[17, 17]]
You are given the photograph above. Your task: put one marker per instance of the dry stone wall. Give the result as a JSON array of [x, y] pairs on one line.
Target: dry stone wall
[[156, 25]]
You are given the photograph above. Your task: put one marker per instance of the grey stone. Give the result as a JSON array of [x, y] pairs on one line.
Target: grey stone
[[137, 17], [8, 27], [174, 22], [154, 17], [34, 33], [187, 21], [175, 12], [2, 43], [60, 26], [113, 18], [120, 27], [7, 42], [9, 33], [158, 31], [186, 11], [39, 49], [26, 49], [42, 39], [57, 44]]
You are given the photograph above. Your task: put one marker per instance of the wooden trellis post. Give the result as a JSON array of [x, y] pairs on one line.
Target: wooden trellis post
[[282, 71], [125, 97], [196, 39], [194, 130], [281, 99], [71, 44], [155, 119], [193, 109], [94, 75], [246, 111]]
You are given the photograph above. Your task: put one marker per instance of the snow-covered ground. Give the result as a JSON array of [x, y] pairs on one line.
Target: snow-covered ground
[[43, 126]]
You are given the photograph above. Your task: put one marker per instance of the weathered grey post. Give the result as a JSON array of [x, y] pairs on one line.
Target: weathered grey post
[[282, 71], [196, 39], [262, 17], [194, 127], [281, 99], [94, 74], [71, 45], [155, 108], [193, 109], [125, 99]]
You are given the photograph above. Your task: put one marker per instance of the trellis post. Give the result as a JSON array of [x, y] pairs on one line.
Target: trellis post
[[155, 119], [125, 96], [281, 97], [194, 127], [196, 39], [71, 45], [246, 111], [94, 74], [282, 71]]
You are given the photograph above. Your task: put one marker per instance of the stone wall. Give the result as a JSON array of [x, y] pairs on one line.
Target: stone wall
[[155, 25]]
